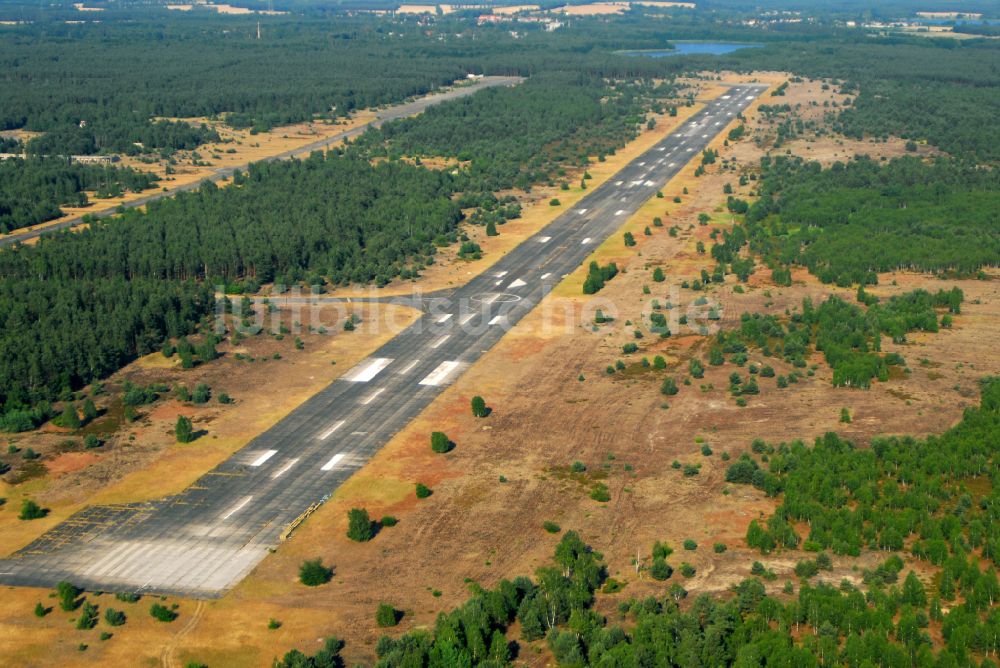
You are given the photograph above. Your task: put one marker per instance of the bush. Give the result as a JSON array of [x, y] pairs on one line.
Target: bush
[[600, 493], [184, 429], [551, 527], [479, 409], [67, 594], [359, 525], [68, 418], [423, 491], [386, 615], [202, 393], [31, 510], [162, 613], [690, 545], [114, 617], [687, 570], [662, 550], [388, 521], [660, 570], [719, 548], [312, 573], [88, 617], [90, 441], [578, 467], [40, 610], [440, 442], [669, 387]]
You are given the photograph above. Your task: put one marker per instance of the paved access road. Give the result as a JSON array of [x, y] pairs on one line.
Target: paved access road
[[204, 540], [389, 114]]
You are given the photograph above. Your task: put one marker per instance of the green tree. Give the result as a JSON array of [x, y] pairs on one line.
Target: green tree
[[440, 442], [386, 616], [359, 525], [89, 410], [479, 408], [422, 490], [31, 510], [184, 429], [69, 418], [658, 275], [313, 573]]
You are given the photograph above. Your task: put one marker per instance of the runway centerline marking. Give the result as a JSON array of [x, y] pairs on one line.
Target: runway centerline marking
[[414, 363], [237, 507], [326, 434], [284, 469], [443, 317], [371, 397], [439, 374], [365, 371], [333, 462], [441, 340], [466, 318], [264, 457]]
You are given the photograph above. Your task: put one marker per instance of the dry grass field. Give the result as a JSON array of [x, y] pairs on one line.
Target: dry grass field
[[553, 404]]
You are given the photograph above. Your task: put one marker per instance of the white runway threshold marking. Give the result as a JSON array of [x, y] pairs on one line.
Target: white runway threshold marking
[[496, 320], [264, 457], [443, 318], [500, 274], [326, 434], [365, 371], [284, 469], [441, 340], [237, 507], [438, 375], [333, 462], [371, 397]]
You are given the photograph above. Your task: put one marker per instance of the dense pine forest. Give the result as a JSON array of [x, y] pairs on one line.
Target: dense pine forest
[[32, 190], [899, 491], [853, 220]]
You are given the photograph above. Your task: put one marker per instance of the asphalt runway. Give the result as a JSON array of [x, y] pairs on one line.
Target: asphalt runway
[[203, 541], [393, 113]]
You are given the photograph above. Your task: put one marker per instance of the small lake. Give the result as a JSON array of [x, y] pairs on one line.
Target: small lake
[[687, 48]]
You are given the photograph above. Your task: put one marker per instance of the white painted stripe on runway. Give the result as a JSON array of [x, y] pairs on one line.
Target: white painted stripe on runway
[[729, 114], [642, 164], [498, 282], [650, 184], [749, 97], [492, 299], [264, 457], [660, 148], [409, 367], [635, 183], [704, 136], [544, 240], [689, 148], [284, 469], [496, 319], [441, 340], [585, 241], [582, 211], [618, 183], [365, 371], [544, 276], [438, 375], [333, 462], [517, 283], [466, 318], [444, 317], [619, 212], [371, 397], [673, 164], [624, 199], [718, 122], [725, 97], [500, 274], [237, 507], [326, 434]]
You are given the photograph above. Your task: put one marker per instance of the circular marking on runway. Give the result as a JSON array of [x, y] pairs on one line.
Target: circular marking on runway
[[495, 298]]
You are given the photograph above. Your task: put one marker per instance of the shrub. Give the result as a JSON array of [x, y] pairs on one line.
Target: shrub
[[662, 550], [551, 527], [114, 617], [68, 418], [440, 442], [88, 616], [359, 525], [202, 393], [273, 624], [578, 467], [386, 615], [479, 407], [660, 570], [600, 493], [40, 610], [313, 573], [719, 548], [669, 387], [423, 491], [67, 594], [90, 441], [388, 521], [690, 545], [687, 570], [31, 510], [184, 429], [162, 613]]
